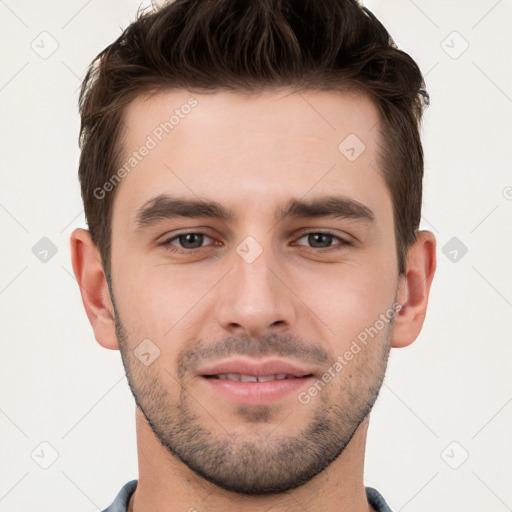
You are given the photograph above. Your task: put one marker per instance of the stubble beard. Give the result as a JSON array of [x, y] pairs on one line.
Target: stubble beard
[[270, 463]]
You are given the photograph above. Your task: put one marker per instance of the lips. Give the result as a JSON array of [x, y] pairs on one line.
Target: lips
[[253, 382], [250, 371]]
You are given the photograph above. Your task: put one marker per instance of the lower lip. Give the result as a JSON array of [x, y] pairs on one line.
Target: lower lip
[[256, 393]]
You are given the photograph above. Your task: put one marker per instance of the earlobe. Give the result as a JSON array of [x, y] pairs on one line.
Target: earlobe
[[92, 281], [414, 290]]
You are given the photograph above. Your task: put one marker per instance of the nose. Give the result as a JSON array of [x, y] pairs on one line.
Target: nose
[[255, 298]]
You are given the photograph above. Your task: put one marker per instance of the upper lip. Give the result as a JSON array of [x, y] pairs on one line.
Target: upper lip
[[257, 369]]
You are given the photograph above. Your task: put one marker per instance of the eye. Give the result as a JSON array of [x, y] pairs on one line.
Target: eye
[[322, 240], [187, 242]]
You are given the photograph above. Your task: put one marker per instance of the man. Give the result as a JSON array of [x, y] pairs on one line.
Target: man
[[252, 180]]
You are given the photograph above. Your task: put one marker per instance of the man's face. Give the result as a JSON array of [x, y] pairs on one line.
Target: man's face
[[266, 293]]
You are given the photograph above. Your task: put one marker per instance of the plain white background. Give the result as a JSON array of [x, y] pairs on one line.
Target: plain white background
[[440, 432]]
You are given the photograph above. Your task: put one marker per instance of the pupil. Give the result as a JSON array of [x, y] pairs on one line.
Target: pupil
[[314, 236], [188, 240]]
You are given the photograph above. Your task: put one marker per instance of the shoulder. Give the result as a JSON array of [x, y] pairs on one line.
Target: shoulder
[[120, 503], [376, 500]]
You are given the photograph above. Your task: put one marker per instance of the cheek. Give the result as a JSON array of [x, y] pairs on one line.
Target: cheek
[[348, 299], [157, 302]]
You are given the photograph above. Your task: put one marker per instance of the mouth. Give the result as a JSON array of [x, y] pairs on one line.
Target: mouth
[[237, 377], [250, 370], [250, 382]]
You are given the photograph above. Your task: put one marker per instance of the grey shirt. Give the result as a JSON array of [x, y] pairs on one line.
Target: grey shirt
[[120, 504]]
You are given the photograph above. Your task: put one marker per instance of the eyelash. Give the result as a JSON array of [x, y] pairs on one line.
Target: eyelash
[[167, 243]]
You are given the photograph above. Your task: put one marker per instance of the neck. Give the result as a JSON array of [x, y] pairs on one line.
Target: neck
[[167, 484]]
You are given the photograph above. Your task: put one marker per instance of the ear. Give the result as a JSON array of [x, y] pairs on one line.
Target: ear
[[414, 290], [92, 281]]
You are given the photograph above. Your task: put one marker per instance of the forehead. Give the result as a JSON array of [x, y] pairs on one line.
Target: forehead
[[258, 149]]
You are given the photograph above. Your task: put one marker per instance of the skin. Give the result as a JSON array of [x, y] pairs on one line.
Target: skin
[[302, 300]]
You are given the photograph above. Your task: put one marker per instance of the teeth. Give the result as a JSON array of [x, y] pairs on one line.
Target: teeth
[[266, 378], [252, 378], [245, 378]]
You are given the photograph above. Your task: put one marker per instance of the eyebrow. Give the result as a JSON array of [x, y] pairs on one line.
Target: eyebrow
[[164, 206]]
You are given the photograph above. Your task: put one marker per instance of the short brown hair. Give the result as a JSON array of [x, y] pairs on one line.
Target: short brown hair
[[251, 46]]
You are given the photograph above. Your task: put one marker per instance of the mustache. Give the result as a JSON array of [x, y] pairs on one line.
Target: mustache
[[270, 345]]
